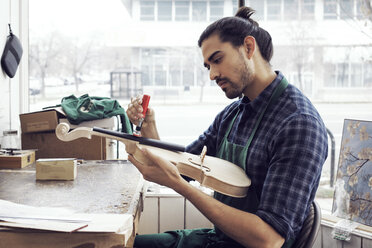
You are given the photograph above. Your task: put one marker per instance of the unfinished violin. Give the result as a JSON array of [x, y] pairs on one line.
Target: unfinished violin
[[215, 173]]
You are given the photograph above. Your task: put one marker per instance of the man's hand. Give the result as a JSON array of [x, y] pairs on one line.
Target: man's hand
[[159, 170], [134, 111]]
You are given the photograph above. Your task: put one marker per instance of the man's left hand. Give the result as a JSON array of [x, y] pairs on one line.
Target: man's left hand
[[159, 170]]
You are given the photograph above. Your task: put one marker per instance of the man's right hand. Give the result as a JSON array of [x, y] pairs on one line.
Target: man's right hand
[[134, 113]]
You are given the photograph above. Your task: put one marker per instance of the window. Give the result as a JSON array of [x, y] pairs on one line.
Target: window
[[367, 80], [342, 74], [182, 10], [216, 9], [330, 76], [147, 10], [290, 10], [258, 6], [164, 10], [273, 10], [346, 67], [343, 9], [308, 9], [356, 75], [346, 9], [359, 14], [330, 9], [170, 66], [199, 10], [325, 73], [160, 70], [175, 71], [235, 4]]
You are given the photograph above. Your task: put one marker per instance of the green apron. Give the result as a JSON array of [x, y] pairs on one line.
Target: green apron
[[237, 154], [214, 238]]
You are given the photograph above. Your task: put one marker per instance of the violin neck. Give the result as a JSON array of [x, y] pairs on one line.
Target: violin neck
[[141, 140]]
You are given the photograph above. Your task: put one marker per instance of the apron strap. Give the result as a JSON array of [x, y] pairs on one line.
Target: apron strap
[[230, 125], [274, 97]]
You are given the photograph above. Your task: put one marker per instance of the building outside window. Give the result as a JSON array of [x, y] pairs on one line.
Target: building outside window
[[359, 6], [216, 9], [347, 69], [343, 9], [258, 6], [147, 10], [235, 4], [182, 9], [346, 9], [308, 9], [161, 70], [199, 11], [175, 71], [330, 9], [164, 10], [273, 10], [290, 10]]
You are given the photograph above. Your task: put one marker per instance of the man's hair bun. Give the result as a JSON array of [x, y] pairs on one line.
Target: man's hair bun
[[245, 13]]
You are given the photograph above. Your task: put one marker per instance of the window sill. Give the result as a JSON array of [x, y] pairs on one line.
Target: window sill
[[329, 220]]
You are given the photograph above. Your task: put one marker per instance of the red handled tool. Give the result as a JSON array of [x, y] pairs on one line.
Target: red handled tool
[[145, 104]]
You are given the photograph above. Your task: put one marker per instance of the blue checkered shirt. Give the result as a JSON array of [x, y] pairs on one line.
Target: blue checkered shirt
[[285, 157]]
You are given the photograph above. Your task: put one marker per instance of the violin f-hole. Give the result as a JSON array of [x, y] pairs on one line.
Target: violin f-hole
[[200, 164]]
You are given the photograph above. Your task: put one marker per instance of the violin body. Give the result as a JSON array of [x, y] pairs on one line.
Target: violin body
[[215, 173]]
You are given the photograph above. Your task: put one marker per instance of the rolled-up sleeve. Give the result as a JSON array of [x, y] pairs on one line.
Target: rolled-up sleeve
[[297, 154]]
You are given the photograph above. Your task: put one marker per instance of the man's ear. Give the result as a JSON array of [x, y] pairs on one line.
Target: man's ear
[[249, 46]]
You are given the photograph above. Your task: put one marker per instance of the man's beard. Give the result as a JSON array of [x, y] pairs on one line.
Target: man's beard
[[236, 89]]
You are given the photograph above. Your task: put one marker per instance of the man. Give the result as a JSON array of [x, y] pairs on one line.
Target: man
[[274, 133]]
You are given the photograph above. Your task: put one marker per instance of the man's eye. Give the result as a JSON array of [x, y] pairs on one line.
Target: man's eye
[[217, 61]]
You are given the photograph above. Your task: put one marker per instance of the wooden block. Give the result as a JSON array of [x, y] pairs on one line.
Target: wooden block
[[56, 169], [19, 160]]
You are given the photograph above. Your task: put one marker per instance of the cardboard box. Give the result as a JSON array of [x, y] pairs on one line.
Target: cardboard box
[[47, 145], [47, 120], [56, 169], [40, 121], [38, 132]]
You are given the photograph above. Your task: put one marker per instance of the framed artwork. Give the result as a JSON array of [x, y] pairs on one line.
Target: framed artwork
[[353, 191]]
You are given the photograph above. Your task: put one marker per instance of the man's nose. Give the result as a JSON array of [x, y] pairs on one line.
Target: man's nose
[[213, 73]]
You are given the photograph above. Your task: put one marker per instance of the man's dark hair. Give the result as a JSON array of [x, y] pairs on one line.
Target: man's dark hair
[[234, 29]]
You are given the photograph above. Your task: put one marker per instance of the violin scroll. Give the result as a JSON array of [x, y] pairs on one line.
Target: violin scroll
[[62, 132]]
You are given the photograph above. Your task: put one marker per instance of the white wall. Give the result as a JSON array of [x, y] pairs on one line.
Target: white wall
[[169, 211], [14, 92]]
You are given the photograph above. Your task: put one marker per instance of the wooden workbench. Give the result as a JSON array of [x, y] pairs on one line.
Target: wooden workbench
[[109, 187]]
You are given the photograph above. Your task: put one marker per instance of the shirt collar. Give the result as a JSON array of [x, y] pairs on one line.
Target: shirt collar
[[259, 103]]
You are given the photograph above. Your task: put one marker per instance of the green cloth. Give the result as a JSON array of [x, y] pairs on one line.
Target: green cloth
[[188, 238], [88, 108]]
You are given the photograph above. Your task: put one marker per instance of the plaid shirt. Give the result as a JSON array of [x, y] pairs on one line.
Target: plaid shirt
[[285, 158]]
